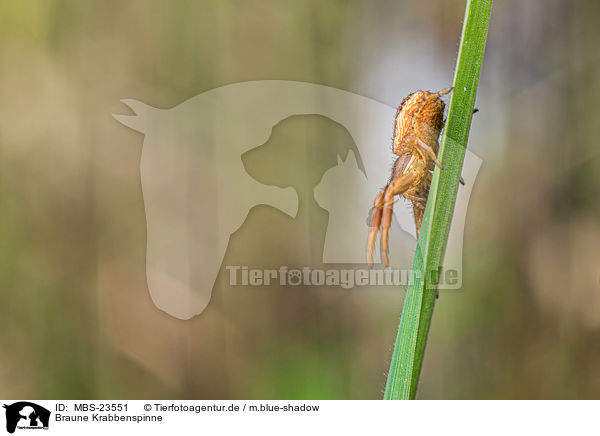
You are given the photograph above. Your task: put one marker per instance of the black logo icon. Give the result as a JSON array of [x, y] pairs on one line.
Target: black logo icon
[[26, 415]]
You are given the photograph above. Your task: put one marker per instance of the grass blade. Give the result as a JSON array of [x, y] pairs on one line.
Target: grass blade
[[409, 349]]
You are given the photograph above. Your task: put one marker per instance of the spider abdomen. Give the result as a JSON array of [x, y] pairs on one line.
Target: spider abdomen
[[420, 116]]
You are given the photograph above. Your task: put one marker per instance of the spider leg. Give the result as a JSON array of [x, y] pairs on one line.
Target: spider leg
[[415, 198], [433, 157], [375, 223], [461, 180], [443, 91], [396, 187], [430, 153]]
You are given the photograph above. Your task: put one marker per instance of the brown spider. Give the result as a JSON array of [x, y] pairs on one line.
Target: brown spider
[[419, 121]]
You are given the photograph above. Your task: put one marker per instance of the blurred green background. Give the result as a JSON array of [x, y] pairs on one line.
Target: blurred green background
[[75, 314]]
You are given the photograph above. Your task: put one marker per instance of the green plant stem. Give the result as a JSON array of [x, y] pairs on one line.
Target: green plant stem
[[420, 299]]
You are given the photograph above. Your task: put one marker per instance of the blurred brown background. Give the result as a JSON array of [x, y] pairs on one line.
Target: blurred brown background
[[75, 313]]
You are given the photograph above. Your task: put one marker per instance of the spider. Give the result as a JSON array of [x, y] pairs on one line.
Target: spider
[[419, 121]]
